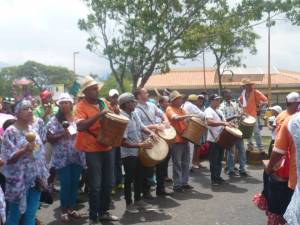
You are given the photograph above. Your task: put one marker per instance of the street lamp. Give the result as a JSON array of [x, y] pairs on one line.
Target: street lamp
[[74, 55], [269, 24]]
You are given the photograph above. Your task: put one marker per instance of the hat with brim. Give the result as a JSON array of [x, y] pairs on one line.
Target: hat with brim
[[125, 98], [293, 97], [247, 82], [175, 95], [192, 98], [64, 97], [88, 81], [276, 108], [214, 97]]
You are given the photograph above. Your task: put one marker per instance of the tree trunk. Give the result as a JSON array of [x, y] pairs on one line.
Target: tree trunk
[[219, 78]]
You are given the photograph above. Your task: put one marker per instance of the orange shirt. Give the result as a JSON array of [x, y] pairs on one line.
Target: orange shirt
[[283, 143], [86, 141], [254, 99], [280, 119], [179, 125]]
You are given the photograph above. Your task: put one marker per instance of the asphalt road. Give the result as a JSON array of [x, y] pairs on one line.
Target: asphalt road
[[229, 204]]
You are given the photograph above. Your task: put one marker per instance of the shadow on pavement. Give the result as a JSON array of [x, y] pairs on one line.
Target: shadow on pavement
[[139, 218]]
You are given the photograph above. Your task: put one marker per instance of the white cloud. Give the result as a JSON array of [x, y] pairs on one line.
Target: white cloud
[[46, 31]]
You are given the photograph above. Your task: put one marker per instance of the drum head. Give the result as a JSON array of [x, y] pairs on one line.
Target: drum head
[[248, 120], [120, 118], [236, 132], [159, 150], [167, 134]]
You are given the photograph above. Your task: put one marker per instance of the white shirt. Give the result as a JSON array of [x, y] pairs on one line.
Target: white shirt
[[214, 132], [190, 108], [272, 123]]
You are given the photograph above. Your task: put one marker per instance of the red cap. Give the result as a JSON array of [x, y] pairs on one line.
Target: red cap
[[45, 94]]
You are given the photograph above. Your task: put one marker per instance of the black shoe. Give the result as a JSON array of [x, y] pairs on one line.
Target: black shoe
[[178, 189], [148, 196], [244, 174], [163, 193], [187, 187], [220, 180], [215, 183], [231, 174]]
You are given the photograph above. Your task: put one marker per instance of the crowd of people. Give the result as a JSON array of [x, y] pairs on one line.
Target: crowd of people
[[58, 140]]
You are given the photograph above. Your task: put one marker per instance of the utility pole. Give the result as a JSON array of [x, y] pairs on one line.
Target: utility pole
[[74, 56], [204, 69], [269, 60]]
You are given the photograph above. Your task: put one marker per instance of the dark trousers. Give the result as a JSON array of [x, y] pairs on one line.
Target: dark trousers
[[162, 172], [118, 176], [216, 154], [100, 174], [134, 174], [270, 148]]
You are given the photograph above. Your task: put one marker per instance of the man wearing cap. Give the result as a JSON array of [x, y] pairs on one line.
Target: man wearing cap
[[149, 114], [232, 111], [180, 149], [251, 100], [46, 109], [99, 157], [215, 121], [191, 108], [135, 172]]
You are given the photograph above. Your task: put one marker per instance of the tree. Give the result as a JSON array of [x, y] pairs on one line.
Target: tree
[[111, 83], [139, 36], [41, 75], [227, 33]]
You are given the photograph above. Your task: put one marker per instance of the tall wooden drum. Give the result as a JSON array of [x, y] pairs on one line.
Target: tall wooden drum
[[168, 134], [228, 137], [113, 127], [195, 130], [247, 124], [151, 157]]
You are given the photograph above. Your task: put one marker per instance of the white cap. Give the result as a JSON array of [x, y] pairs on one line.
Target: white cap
[[276, 108], [293, 97], [113, 92], [64, 97]]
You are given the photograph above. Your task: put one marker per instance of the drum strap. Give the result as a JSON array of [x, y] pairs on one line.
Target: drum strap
[[146, 114]]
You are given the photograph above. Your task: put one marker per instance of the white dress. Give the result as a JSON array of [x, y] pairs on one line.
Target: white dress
[[292, 214]]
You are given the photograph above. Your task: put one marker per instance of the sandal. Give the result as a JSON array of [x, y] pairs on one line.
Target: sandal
[[74, 214], [64, 218]]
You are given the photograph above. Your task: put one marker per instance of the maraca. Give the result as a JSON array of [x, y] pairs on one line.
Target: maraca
[[30, 137]]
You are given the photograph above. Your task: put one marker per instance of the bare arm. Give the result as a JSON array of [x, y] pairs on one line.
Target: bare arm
[[21, 152], [83, 125], [274, 160], [213, 123]]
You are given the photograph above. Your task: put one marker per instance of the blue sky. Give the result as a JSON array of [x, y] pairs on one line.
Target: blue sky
[[46, 31]]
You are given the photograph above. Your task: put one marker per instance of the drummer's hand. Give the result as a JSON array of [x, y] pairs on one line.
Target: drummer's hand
[[167, 124], [226, 124], [154, 137], [146, 145], [268, 170], [159, 127], [103, 112]]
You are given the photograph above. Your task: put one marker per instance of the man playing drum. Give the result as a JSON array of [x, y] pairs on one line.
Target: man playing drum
[[231, 111], [149, 114], [180, 149], [135, 172], [251, 99], [191, 108], [99, 157], [215, 121]]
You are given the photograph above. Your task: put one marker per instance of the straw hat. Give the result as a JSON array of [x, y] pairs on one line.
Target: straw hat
[[192, 98], [174, 95], [88, 81], [247, 81]]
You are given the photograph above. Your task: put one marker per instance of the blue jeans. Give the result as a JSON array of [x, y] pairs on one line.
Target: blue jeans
[[181, 161], [69, 181], [33, 202], [242, 156], [257, 136], [118, 176], [100, 178]]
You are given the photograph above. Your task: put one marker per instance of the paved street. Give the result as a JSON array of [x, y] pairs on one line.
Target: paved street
[[229, 204]]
